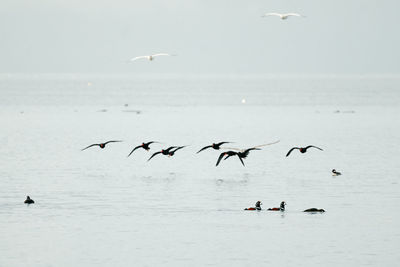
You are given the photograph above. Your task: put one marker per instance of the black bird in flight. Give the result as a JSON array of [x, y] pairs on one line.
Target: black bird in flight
[[216, 146], [145, 146], [171, 153], [302, 149], [101, 145], [163, 151], [228, 154], [241, 154], [245, 153]]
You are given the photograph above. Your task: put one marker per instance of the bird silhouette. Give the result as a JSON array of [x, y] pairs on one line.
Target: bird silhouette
[[163, 151], [145, 146], [302, 149], [216, 146], [101, 145]]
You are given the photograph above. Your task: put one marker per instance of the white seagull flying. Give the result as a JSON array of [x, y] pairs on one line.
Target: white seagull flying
[[150, 57], [283, 16]]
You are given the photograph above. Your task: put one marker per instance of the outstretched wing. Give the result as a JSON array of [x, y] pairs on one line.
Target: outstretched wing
[[250, 149], [292, 14], [149, 143], [136, 58], [314, 147], [159, 152], [160, 54], [219, 158], [268, 144], [168, 149], [134, 150], [272, 14], [290, 151], [178, 148], [111, 142], [203, 149], [221, 143], [241, 160], [90, 146]]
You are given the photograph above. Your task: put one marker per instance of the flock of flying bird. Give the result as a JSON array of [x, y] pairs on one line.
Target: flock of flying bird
[[170, 151]]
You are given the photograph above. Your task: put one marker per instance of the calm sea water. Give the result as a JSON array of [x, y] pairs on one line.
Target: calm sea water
[[99, 208]]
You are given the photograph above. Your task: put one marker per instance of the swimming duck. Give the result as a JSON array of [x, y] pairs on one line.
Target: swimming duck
[[335, 173], [314, 210], [216, 146], [281, 208], [145, 146], [302, 149], [257, 206], [101, 145], [28, 200]]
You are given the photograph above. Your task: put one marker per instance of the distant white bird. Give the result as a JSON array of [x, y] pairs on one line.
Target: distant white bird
[[150, 57], [283, 16]]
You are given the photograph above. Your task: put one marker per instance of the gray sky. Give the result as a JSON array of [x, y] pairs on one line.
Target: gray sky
[[219, 36]]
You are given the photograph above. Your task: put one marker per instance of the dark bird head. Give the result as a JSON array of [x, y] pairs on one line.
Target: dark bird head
[[258, 204], [283, 204], [333, 170], [27, 197]]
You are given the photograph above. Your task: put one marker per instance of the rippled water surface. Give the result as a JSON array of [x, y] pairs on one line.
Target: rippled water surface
[[99, 208]]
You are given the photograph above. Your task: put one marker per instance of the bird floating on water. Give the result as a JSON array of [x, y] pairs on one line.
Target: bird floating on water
[[150, 57], [28, 200], [314, 210], [283, 16], [101, 145], [281, 207], [302, 149], [257, 206], [336, 173]]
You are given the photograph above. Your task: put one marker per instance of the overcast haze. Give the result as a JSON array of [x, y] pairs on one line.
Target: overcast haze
[[208, 36]]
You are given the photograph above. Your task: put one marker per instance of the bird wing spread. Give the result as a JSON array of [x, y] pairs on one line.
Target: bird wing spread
[[268, 144], [203, 149], [159, 152], [90, 146], [272, 14], [219, 158], [111, 142], [290, 151], [134, 150], [160, 54], [314, 147]]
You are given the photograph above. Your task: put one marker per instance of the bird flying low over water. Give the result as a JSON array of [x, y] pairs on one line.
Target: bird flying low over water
[[241, 154], [302, 149], [227, 154], [150, 57], [283, 16], [216, 146], [163, 151], [145, 146], [101, 145]]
